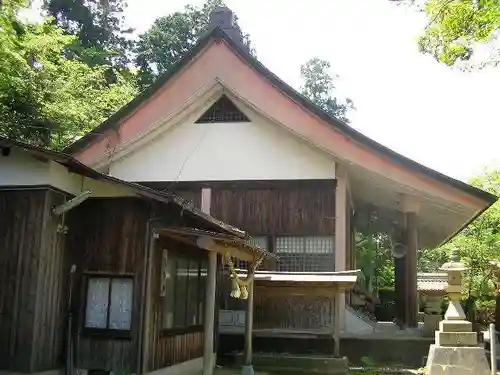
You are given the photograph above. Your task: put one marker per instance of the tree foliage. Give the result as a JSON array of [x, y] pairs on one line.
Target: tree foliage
[[374, 258], [101, 37], [479, 243], [61, 78], [456, 27], [318, 85], [46, 98], [171, 37]]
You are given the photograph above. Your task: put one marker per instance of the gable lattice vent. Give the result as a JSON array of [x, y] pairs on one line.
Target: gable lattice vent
[[223, 110]]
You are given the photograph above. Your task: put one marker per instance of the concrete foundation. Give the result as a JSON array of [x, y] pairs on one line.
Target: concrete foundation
[[451, 360], [431, 324], [247, 370], [295, 364]]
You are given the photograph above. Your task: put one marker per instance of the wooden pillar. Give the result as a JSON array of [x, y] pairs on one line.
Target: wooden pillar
[[400, 289], [248, 368], [336, 325], [148, 301], [411, 270], [209, 313], [341, 197]]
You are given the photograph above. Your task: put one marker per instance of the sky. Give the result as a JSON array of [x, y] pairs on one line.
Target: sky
[[438, 116]]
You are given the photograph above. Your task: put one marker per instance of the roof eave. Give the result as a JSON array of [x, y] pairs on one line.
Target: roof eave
[[216, 33], [127, 110], [75, 166]]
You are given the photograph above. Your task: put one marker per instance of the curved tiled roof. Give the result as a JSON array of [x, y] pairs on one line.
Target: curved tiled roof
[[432, 282]]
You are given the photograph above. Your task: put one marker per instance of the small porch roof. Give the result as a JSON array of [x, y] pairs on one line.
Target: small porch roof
[[222, 243], [340, 280]]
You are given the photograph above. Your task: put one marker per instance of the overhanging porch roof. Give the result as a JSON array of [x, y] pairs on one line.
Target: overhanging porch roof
[[218, 242], [341, 280]]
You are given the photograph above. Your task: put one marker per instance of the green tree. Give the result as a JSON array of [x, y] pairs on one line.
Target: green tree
[[479, 246], [374, 258], [99, 27], [171, 37], [318, 85], [46, 98], [455, 27]]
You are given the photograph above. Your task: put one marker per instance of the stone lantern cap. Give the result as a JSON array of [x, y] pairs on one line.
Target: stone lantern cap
[[454, 265]]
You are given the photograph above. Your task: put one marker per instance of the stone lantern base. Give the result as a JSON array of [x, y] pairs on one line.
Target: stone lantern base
[[456, 351]]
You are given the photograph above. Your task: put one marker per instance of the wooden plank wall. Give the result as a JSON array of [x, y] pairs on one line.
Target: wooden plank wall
[[297, 312], [50, 321], [301, 207], [21, 222], [172, 348], [279, 208], [189, 191], [108, 236]]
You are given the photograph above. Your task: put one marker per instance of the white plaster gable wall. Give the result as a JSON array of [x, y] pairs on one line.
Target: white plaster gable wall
[[257, 150], [20, 169]]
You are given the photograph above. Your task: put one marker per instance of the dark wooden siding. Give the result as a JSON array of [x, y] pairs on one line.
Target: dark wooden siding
[[277, 208], [51, 294], [22, 215], [295, 208], [191, 195], [108, 236], [293, 312], [170, 348], [190, 191]]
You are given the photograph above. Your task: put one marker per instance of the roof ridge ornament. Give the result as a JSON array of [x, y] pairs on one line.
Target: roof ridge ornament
[[224, 18]]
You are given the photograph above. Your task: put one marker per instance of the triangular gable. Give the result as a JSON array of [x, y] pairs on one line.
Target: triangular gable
[[220, 150], [254, 82], [223, 110]]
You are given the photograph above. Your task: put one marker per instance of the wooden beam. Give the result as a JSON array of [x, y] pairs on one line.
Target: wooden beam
[[336, 325], [210, 295], [148, 301], [210, 244], [341, 197], [249, 323], [411, 269], [400, 288], [306, 290]]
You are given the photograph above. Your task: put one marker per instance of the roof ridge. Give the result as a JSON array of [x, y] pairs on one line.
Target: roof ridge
[[217, 33]]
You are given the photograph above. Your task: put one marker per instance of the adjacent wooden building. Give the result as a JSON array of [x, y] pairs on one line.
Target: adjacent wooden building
[[91, 277]]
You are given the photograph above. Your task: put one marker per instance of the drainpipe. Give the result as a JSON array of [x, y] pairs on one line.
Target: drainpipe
[[143, 340]]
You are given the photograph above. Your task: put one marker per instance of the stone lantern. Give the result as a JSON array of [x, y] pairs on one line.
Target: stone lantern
[[454, 269], [456, 350]]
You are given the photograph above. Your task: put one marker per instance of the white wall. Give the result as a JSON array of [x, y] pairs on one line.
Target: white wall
[[257, 150], [355, 325], [21, 169]]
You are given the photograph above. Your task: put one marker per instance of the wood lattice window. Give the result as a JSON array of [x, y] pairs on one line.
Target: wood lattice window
[[257, 241], [223, 110], [109, 303], [305, 254]]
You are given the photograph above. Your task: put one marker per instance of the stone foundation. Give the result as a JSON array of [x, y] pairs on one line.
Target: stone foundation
[[457, 361], [295, 364]]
